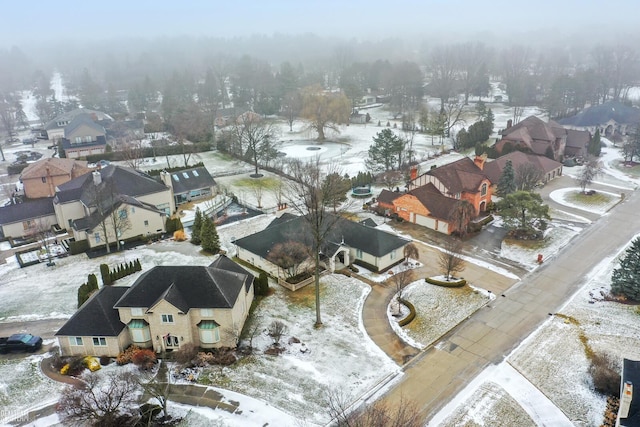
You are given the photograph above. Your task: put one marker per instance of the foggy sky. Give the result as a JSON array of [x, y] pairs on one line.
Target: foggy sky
[[41, 21]]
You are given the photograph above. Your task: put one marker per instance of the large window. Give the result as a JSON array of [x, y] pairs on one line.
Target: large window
[[483, 190], [99, 341], [75, 340], [209, 332], [167, 318], [122, 213], [206, 312], [359, 253], [97, 237], [137, 311]]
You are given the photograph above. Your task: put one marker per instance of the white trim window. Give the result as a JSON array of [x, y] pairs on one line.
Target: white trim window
[[137, 311], [206, 312], [167, 318], [99, 341], [75, 341]]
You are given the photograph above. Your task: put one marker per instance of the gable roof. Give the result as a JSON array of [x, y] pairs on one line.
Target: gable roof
[[602, 113], [125, 181], [463, 175], [29, 210], [97, 316], [358, 236], [439, 205], [186, 287], [70, 115], [387, 196], [55, 166], [82, 120], [532, 126], [518, 158], [191, 179], [92, 221]]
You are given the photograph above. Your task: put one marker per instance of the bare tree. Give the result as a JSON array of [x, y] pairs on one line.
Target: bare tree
[[253, 133], [449, 259], [133, 153], [324, 110], [310, 194], [276, 330], [42, 232], [463, 213], [344, 412], [258, 187], [390, 179], [410, 251], [100, 402], [291, 107], [443, 66], [591, 169], [278, 191], [289, 256], [452, 114], [400, 280], [156, 385], [527, 177], [111, 210]]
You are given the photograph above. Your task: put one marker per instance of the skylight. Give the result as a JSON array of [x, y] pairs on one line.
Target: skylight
[[195, 173], [186, 175], [175, 177]]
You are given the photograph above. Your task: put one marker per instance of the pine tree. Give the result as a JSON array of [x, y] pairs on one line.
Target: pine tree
[[507, 182], [209, 236], [625, 279], [106, 274], [595, 147], [196, 229]]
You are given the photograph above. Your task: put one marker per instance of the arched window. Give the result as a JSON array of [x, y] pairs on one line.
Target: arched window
[[483, 190]]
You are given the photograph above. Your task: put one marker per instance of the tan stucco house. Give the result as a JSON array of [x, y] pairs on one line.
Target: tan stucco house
[[166, 308], [83, 137], [54, 129], [41, 178]]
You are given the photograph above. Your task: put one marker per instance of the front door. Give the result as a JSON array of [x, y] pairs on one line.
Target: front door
[[171, 342]]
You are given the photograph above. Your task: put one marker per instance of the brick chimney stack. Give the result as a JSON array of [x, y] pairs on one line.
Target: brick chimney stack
[[479, 160], [414, 172], [509, 123]]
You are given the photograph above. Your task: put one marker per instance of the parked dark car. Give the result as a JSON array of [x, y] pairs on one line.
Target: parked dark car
[[20, 343], [29, 141]]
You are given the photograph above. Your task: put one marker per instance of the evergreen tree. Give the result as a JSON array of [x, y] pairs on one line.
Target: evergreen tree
[[594, 148], [209, 236], [386, 152], [92, 282], [549, 153], [106, 274], [507, 182], [196, 229], [262, 284], [625, 280]]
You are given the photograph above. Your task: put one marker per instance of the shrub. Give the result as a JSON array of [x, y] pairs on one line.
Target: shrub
[[106, 274], [144, 358], [179, 236], [185, 354], [262, 284], [455, 283], [125, 357], [57, 362], [410, 316], [75, 366], [606, 379], [105, 360]]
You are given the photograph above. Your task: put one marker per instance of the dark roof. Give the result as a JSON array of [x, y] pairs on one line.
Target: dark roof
[[601, 114], [439, 205], [125, 181], [82, 120], [191, 179], [387, 196], [92, 221], [368, 222], [631, 373], [97, 316], [536, 128], [494, 168], [186, 287], [67, 145], [68, 116], [358, 236], [463, 175], [578, 138], [31, 209]]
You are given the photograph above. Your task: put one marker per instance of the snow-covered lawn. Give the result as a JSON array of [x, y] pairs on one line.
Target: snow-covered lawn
[[339, 355], [553, 360], [438, 309]]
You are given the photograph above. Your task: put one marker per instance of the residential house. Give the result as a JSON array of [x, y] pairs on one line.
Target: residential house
[[463, 179], [550, 169], [629, 409], [189, 184], [83, 137], [142, 203], [24, 219], [611, 118], [358, 118], [54, 129], [544, 139], [40, 179], [166, 308], [348, 242]]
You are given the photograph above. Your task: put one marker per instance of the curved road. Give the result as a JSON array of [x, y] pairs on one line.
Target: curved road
[[434, 377]]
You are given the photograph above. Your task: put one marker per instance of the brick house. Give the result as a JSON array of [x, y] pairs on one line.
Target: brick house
[[550, 169], [433, 196], [166, 308], [41, 178]]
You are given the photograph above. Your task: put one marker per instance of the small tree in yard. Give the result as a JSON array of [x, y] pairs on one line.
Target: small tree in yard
[[289, 256], [523, 213], [625, 280], [527, 177], [196, 229], [507, 182], [156, 387], [276, 330], [101, 402], [450, 260], [380, 414], [400, 280], [592, 168], [410, 251], [595, 146]]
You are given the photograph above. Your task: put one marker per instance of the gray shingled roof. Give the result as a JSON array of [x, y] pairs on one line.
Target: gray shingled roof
[[191, 179], [32, 209], [97, 316], [90, 222], [68, 116], [601, 114], [186, 287], [80, 120], [100, 140], [358, 236]]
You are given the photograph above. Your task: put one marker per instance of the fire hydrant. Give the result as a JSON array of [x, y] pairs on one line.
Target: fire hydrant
[[539, 258]]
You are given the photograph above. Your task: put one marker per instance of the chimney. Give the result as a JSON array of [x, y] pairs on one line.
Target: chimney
[[625, 400], [414, 173], [479, 160], [166, 178], [509, 123], [97, 178]]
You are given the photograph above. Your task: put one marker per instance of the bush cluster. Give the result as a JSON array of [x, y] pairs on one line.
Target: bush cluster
[[144, 358], [86, 289], [410, 316], [455, 283], [173, 224], [261, 284], [126, 356], [122, 270]]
